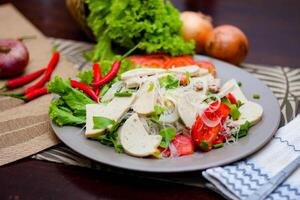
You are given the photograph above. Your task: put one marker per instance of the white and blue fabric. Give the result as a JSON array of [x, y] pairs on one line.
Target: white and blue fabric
[[241, 179]]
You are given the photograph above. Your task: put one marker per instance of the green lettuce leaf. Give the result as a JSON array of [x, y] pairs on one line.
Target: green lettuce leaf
[[60, 114]]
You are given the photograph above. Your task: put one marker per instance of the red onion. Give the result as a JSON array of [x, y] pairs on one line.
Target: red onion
[[14, 57], [209, 122]]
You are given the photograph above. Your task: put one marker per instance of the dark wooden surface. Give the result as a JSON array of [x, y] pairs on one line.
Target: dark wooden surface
[[273, 29]]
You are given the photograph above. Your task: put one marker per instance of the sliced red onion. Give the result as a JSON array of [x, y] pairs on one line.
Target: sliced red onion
[[173, 151], [209, 122]]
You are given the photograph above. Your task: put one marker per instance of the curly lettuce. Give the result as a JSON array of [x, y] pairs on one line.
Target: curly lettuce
[[154, 25]]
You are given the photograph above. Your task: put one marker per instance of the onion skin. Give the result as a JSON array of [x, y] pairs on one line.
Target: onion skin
[[196, 26], [227, 43], [14, 57]]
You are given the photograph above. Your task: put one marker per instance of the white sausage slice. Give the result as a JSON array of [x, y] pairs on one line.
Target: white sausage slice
[[251, 112], [135, 139]]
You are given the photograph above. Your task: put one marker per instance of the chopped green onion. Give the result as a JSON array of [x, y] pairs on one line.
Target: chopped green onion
[[151, 87], [123, 94], [188, 77], [256, 96], [204, 144], [239, 104], [217, 146], [239, 84]]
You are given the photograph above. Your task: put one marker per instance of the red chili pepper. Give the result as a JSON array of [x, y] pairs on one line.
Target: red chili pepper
[[110, 75], [84, 88], [29, 96], [231, 98], [97, 77], [35, 93], [20, 81], [50, 68]]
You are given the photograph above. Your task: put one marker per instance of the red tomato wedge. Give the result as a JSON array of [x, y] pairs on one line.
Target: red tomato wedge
[[231, 98], [183, 144], [180, 61], [205, 136], [166, 61]]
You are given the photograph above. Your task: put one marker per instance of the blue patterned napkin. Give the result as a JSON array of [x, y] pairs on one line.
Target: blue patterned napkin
[[239, 180]]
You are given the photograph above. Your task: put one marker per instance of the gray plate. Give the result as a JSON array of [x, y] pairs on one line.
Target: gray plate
[[259, 135]]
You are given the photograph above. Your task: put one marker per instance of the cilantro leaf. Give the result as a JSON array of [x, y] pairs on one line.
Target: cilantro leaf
[[169, 82], [167, 136], [102, 122]]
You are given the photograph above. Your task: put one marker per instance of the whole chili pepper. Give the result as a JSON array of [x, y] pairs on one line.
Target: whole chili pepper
[[85, 89], [23, 80], [110, 75], [35, 93], [29, 96], [50, 68], [97, 77]]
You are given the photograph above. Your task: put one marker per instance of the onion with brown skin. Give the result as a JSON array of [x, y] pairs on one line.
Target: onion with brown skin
[[227, 43], [14, 57], [196, 26]]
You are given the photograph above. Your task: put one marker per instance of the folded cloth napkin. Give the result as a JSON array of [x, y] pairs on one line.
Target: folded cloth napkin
[[239, 180]]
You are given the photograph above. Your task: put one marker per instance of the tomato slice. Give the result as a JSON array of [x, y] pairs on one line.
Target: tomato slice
[[223, 112], [207, 65], [180, 61], [231, 98], [183, 144], [219, 140], [204, 136]]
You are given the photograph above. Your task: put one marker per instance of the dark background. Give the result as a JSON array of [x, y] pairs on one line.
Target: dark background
[[273, 30]]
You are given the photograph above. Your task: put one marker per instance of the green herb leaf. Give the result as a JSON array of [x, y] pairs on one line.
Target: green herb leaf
[[111, 139], [234, 111], [167, 136], [240, 84], [102, 122], [158, 109], [243, 131], [169, 82]]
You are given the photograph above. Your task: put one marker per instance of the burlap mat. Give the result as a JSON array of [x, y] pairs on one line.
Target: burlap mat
[[25, 128]]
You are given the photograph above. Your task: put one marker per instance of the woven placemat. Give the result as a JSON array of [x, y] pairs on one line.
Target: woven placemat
[[283, 81]]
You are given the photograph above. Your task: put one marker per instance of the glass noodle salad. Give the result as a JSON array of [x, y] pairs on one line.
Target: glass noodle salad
[[168, 112]]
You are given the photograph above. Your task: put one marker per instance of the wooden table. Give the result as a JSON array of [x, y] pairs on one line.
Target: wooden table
[[273, 29]]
